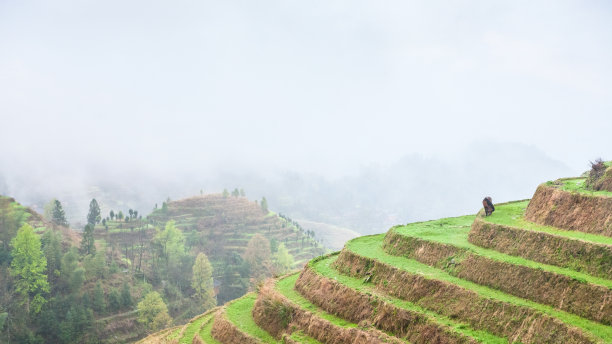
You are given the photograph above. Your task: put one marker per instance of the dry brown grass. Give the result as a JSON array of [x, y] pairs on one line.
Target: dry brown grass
[[573, 211], [560, 291], [517, 323], [268, 317], [593, 258], [367, 309], [224, 331]]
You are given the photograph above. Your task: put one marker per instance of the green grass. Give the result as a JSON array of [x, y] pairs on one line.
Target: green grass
[[512, 214], [370, 246], [193, 327], [300, 337], [454, 231], [577, 185], [285, 287], [206, 334], [239, 313], [174, 334], [324, 268]]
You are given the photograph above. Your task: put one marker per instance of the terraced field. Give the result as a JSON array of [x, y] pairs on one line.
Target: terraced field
[[473, 279]]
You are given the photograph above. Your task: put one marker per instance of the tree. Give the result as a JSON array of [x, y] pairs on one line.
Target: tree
[[225, 193], [131, 212], [112, 215], [153, 312], [283, 260], [88, 242], [202, 282], [59, 216], [28, 266], [98, 304], [242, 193], [264, 205], [126, 296], [48, 210], [257, 255], [120, 215], [236, 193], [93, 216], [52, 248], [114, 301], [172, 243]]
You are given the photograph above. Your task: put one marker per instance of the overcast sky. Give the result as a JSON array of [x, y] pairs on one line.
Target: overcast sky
[[318, 86]]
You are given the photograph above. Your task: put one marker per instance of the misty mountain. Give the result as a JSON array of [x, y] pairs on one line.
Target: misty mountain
[[369, 199]]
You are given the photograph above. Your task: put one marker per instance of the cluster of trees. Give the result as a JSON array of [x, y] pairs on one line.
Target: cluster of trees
[[235, 193]]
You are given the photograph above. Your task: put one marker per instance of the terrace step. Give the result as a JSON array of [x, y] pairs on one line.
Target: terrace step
[[507, 231], [234, 323], [190, 329], [359, 302], [443, 244], [281, 310], [555, 204], [482, 307]]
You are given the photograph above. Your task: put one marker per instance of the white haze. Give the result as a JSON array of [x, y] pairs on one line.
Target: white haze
[[302, 101]]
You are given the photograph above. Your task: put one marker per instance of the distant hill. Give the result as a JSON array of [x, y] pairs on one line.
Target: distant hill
[[228, 223]]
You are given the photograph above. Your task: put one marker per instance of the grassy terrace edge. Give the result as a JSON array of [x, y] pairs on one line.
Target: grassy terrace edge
[[512, 214], [443, 244], [322, 266], [370, 247], [282, 314], [509, 232], [238, 312], [458, 239]]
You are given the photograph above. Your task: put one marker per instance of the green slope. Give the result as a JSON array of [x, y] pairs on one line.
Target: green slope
[[454, 231], [370, 247]]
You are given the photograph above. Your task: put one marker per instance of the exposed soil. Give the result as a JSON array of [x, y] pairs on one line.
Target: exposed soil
[[224, 331], [517, 323], [278, 315], [592, 258], [570, 210], [587, 300]]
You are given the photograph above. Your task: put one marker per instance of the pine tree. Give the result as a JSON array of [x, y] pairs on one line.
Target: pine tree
[[28, 266], [114, 301], [264, 205], [98, 304], [88, 242], [52, 248], [59, 216], [126, 296], [202, 282], [93, 216]]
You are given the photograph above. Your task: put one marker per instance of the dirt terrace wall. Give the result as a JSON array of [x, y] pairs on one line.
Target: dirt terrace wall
[[517, 323], [279, 316], [592, 258], [367, 309], [573, 211], [224, 331], [587, 300]]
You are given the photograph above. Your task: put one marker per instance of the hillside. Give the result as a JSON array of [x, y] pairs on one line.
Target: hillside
[[92, 292], [536, 271], [228, 223]]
